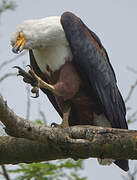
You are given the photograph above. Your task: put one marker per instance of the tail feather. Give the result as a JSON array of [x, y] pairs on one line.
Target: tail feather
[[123, 164]]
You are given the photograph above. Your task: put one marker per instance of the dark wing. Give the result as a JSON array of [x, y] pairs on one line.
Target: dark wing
[[42, 76], [92, 63]]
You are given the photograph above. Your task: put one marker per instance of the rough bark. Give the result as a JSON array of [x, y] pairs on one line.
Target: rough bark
[[34, 142]]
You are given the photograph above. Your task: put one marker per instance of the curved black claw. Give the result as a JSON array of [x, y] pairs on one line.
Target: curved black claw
[[35, 96], [35, 91], [20, 70], [28, 77], [17, 67], [54, 125], [29, 66]]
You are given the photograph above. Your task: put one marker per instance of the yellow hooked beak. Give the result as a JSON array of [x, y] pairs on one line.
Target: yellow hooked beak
[[20, 43]]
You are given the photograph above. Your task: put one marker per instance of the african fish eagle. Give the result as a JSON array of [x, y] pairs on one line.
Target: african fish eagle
[[71, 66]]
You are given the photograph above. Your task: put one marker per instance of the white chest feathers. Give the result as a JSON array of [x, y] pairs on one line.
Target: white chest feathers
[[53, 56]]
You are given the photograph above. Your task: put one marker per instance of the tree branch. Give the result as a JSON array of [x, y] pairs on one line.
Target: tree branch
[[6, 76], [7, 6], [5, 173], [11, 60], [56, 143], [19, 150], [131, 91]]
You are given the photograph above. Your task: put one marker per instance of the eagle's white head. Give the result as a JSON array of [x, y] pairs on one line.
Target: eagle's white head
[[46, 38], [38, 33]]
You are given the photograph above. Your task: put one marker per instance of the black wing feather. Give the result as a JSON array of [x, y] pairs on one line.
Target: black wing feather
[[95, 68], [96, 71]]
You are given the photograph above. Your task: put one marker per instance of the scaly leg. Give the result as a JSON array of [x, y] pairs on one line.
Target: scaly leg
[[31, 78], [64, 120]]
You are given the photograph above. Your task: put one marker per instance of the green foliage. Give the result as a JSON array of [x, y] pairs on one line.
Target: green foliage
[[58, 170], [5, 5]]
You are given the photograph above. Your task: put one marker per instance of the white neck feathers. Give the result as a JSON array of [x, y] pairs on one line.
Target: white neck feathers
[[53, 56]]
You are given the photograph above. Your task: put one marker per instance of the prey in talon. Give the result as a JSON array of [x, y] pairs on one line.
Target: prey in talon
[[71, 66]]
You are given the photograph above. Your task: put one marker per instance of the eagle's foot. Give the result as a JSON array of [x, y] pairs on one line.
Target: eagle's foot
[[28, 77], [64, 123], [31, 78], [55, 124]]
